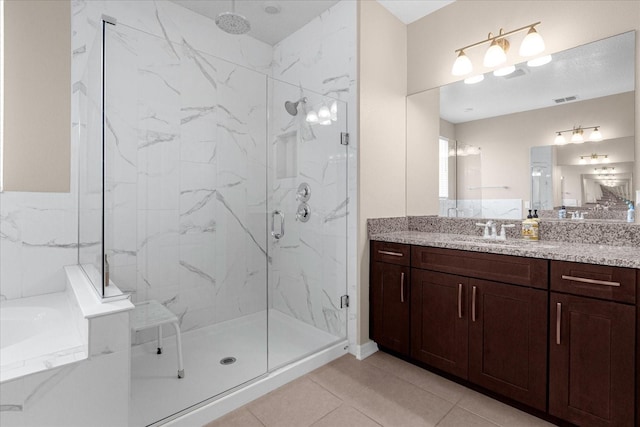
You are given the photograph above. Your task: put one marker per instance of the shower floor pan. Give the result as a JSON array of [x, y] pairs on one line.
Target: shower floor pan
[[156, 392]]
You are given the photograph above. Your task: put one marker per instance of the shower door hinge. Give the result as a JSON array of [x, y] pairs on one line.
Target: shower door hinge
[[344, 301], [344, 138]]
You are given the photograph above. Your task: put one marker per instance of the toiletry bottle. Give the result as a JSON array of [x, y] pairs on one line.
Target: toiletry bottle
[[535, 216], [562, 213], [631, 213], [530, 228]]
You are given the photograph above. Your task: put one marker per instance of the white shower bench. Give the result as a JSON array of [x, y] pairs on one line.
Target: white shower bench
[[151, 314]]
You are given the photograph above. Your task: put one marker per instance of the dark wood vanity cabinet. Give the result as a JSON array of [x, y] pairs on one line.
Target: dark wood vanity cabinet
[[439, 321], [592, 354], [490, 333], [389, 296], [508, 341], [556, 336]]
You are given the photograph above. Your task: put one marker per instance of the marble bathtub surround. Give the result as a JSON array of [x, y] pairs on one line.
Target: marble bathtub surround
[[608, 233]]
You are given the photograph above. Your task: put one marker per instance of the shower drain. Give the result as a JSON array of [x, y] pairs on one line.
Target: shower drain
[[227, 360]]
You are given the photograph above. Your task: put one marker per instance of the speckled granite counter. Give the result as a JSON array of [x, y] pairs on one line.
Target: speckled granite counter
[[618, 256]]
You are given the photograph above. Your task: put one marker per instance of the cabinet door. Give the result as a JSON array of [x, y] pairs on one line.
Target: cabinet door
[[390, 306], [508, 341], [439, 329], [591, 361]]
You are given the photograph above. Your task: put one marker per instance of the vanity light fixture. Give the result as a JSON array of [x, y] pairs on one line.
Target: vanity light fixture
[[577, 135], [594, 159], [499, 46]]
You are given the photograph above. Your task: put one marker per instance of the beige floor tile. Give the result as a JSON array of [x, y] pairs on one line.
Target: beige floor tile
[[458, 417], [346, 416], [417, 376], [238, 418], [383, 397], [498, 412], [297, 404]]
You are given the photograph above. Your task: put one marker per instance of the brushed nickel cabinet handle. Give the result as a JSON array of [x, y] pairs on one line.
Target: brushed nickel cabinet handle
[[590, 281], [402, 287], [390, 253], [459, 300], [558, 321], [473, 304]]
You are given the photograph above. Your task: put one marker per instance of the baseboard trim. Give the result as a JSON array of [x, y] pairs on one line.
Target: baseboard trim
[[365, 350]]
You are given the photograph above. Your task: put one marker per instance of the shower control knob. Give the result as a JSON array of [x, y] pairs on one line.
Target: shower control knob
[[304, 212], [304, 192]]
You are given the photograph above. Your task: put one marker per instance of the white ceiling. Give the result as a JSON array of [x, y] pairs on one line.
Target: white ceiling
[[409, 11], [597, 69], [294, 14]]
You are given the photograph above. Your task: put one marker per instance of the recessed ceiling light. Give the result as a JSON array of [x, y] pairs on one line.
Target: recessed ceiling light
[[272, 8]]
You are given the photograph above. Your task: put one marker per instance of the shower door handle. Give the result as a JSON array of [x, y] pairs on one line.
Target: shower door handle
[[276, 235]]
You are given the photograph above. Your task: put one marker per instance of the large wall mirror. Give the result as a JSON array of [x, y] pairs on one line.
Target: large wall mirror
[[495, 139]]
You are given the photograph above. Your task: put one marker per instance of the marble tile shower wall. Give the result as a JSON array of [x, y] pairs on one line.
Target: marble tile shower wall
[[203, 217]]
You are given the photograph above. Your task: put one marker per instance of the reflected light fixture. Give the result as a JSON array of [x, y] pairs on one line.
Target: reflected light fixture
[[577, 135], [312, 117], [537, 62], [474, 79], [504, 71], [498, 48], [594, 158]]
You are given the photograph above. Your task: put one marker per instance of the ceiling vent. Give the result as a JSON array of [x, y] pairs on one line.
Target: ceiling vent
[[567, 99]]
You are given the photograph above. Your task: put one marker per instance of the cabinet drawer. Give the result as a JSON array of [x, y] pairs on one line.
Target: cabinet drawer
[[393, 253], [598, 281], [501, 268]]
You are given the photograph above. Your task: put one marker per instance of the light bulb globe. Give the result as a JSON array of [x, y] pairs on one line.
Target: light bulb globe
[[532, 44]]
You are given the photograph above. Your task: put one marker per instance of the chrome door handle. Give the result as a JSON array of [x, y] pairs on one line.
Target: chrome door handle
[[459, 300], [558, 321], [402, 287], [473, 304], [279, 235]]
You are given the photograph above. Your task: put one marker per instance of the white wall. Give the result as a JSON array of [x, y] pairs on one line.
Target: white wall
[[506, 140], [383, 87]]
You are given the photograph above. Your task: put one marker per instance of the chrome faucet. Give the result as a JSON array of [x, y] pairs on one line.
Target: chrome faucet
[[490, 231]]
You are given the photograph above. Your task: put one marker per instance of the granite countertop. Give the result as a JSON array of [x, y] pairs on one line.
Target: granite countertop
[[617, 256]]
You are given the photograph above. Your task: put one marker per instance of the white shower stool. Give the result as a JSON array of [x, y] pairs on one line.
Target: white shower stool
[[151, 314]]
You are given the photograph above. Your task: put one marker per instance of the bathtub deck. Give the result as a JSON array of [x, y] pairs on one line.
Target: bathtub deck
[[38, 333]]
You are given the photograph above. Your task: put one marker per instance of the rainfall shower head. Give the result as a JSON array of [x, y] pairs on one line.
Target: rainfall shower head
[[292, 107], [232, 22]]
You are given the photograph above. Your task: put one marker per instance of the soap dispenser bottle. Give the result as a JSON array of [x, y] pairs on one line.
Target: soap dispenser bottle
[[530, 228]]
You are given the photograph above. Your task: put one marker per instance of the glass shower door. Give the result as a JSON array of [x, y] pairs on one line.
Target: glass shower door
[[185, 215], [307, 215]]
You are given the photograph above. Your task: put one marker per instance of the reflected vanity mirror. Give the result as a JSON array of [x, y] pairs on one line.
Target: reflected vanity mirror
[[498, 138]]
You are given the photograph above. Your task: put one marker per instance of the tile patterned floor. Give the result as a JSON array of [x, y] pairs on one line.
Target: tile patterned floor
[[378, 391]]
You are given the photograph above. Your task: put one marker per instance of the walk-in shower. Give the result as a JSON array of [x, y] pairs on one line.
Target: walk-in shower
[[194, 157]]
